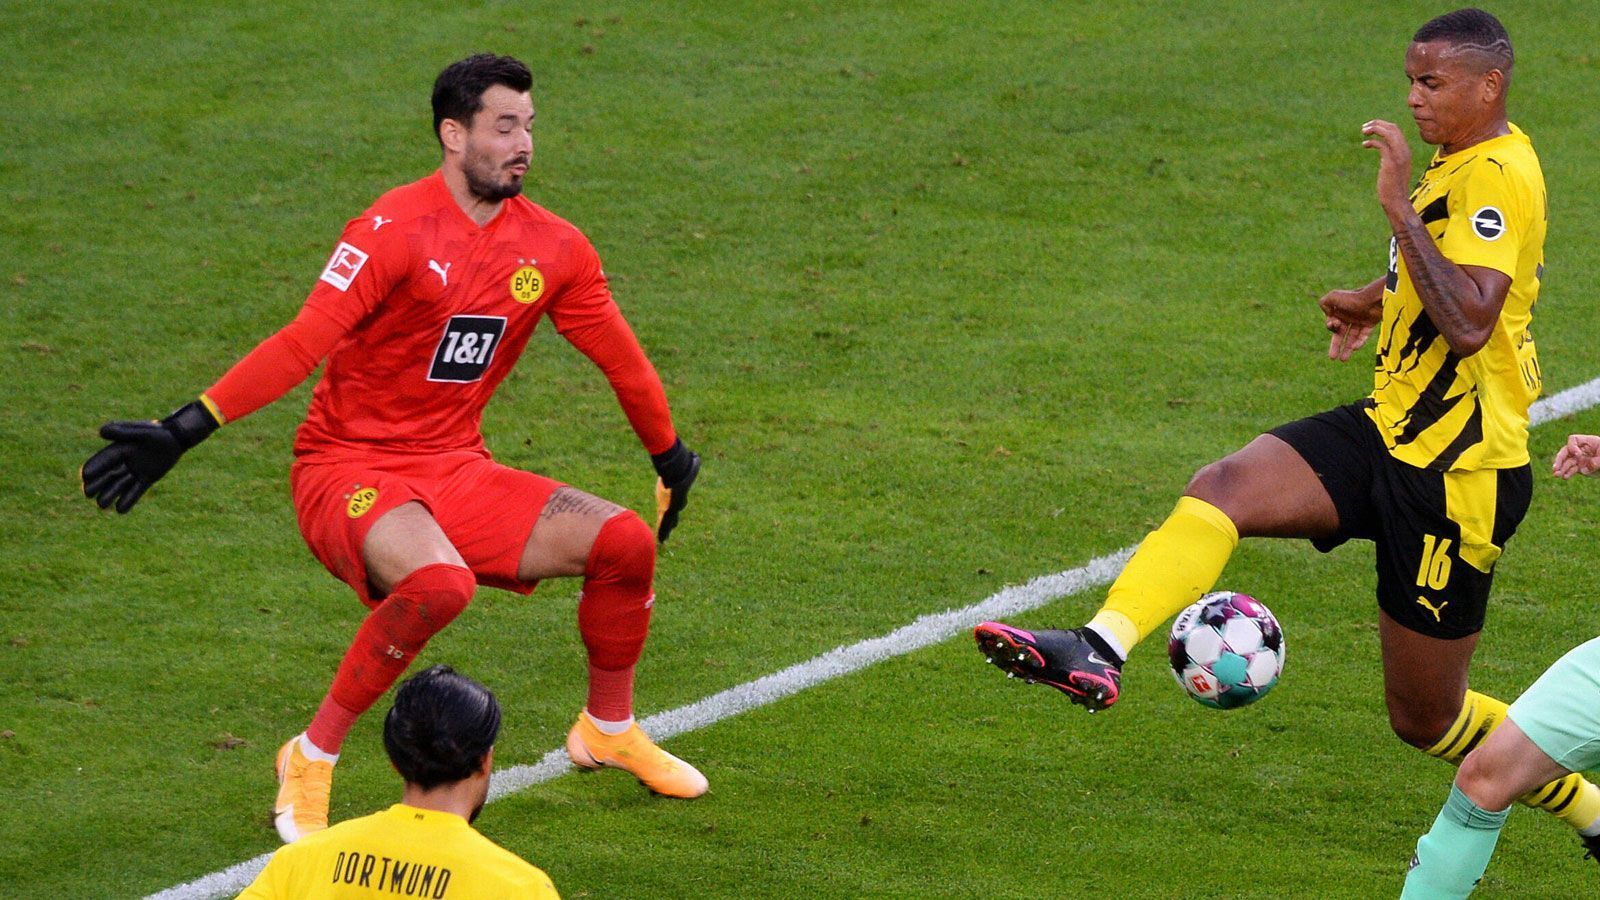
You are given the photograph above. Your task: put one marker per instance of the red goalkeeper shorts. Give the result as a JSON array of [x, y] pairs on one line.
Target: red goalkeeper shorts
[[486, 510]]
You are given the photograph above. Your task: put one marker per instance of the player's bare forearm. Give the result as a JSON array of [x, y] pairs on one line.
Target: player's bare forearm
[[1366, 300], [1372, 291], [1455, 302], [1463, 306]]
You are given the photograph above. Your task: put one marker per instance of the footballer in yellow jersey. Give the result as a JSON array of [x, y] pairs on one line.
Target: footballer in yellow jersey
[[1431, 467], [440, 737], [1482, 206], [400, 852]]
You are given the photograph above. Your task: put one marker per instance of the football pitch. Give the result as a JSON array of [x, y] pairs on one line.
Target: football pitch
[[950, 297]]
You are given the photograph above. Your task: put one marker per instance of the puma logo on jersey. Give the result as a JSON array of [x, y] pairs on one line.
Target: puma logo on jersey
[[1436, 610], [379, 222], [444, 273]]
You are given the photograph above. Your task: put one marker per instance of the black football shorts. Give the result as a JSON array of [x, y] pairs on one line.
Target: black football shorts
[[1438, 534]]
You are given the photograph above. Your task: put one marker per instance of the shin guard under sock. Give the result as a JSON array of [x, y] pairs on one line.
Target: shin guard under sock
[[391, 636], [1173, 566], [614, 611], [1572, 799]]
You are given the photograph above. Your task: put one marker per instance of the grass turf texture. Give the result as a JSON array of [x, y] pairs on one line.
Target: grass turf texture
[[947, 300]]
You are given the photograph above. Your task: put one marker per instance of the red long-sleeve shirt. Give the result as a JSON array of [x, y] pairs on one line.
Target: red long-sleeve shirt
[[421, 313]]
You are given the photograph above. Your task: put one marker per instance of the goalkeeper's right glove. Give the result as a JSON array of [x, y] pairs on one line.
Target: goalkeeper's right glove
[[141, 452]]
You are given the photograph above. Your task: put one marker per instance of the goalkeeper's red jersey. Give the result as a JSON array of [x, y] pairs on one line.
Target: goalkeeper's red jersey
[[422, 313]]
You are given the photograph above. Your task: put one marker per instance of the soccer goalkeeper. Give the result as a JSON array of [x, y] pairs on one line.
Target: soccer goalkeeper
[[428, 300]]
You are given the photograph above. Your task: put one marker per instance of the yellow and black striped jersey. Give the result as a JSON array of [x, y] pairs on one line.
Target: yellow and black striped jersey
[[1483, 206], [403, 851]]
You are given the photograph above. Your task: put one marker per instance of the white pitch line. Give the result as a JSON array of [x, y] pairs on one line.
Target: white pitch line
[[924, 632], [1567, 402]]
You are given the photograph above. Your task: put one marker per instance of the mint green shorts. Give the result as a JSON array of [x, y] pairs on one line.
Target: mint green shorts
[[1560, 713]]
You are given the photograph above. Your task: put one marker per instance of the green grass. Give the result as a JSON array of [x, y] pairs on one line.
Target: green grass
[[949, 297]]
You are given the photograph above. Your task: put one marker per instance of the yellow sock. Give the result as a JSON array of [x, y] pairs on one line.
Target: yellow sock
[[1173, 566], [1480, 714], [1573, 799]]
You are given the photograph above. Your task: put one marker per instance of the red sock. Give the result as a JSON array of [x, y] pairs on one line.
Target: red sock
[[610, 694], [614, 611], [392, 635]]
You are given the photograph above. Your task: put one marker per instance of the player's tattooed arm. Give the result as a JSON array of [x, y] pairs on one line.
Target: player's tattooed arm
[[1464, 302]]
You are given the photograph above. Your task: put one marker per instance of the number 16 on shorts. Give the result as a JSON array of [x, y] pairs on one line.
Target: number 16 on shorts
[[1435, 569], [466, 348]]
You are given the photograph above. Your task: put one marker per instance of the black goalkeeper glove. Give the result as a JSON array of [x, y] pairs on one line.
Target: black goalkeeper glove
[[677, 466], [140, 453]]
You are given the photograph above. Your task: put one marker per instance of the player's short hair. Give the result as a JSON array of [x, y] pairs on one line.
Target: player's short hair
[[1472, 30], [441, 726], [458, 91]]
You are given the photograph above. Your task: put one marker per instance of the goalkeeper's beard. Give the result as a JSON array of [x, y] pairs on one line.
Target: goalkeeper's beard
[[483, 184]]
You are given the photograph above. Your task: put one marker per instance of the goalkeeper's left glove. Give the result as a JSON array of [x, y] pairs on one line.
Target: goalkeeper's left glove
[[677, 467], [141, 452]]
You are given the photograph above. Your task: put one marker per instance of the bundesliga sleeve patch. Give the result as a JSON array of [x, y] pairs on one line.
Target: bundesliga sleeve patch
[[1488, 223], [343, 266]]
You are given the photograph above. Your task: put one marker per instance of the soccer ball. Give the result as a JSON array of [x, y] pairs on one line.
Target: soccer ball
[[1226, 650]]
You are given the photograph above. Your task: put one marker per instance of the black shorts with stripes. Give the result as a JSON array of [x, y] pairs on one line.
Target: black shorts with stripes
[[1438, 534]]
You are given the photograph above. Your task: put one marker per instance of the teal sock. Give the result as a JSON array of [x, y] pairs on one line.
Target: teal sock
[[1452, 856]]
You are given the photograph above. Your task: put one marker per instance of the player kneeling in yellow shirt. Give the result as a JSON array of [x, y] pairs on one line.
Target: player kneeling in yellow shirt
[[440, 737]]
